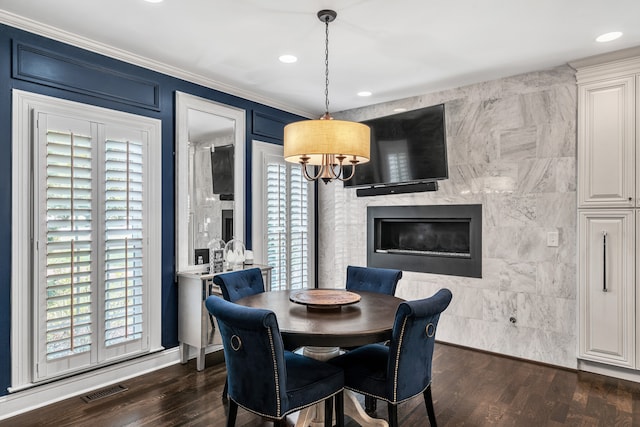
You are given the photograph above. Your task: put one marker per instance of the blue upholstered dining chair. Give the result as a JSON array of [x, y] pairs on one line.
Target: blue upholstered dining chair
[[238, 284], [263, 377], [380, 280], [370, 279], [241, 283], [403, 369]]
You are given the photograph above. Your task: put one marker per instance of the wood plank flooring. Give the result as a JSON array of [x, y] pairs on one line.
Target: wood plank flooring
[[470, 388]]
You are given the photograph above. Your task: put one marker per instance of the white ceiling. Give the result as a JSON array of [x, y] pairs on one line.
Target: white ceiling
[[395, 49]]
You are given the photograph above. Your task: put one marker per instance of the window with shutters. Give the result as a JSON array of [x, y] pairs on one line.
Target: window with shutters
[[283, 232], [95, 266]]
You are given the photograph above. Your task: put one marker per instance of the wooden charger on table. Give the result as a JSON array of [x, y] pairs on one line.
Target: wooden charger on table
[[324, 299]]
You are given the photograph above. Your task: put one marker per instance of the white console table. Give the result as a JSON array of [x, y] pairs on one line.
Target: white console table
[[196, 326]]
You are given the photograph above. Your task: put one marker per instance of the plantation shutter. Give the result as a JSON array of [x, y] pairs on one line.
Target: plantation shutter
[[124, 295], [67, 261], [299, 229], [287, 224], [90, 270], [276, 223]]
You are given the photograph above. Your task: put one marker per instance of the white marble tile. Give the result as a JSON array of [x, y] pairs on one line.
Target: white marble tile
[[512, 148], [501, 242], [518, 144], [566, 175], [532, 245], [518, 277], [567, 251], [539, 80], [565, 316], [499, 306], [557, 139], [492, 269], [458, 149], [539, 107], [536, 176], [556, 209], [557, 348], [483, 147], [508, 113], [556, 279], [536, 311], [473, 117], [491, 210], [517, 210]]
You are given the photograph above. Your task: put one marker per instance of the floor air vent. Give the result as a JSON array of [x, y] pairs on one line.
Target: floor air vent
[[105, 392]]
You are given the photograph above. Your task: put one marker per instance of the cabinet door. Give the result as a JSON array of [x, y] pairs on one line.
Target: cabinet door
[[606, 146], [606, 286]]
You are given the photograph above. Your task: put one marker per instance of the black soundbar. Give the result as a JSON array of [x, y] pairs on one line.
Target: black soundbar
[[417, 187]]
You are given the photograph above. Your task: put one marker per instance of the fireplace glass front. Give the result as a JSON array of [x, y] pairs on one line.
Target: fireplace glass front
[[424, 237], [443, 239]]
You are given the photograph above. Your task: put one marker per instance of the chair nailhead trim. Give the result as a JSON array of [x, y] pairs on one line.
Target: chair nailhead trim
[[291, 410], [395, 370], [383, 397], [275, 372]]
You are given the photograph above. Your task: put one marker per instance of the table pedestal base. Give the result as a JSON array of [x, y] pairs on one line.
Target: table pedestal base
[[354, 410], [320, 353], [313, 416]]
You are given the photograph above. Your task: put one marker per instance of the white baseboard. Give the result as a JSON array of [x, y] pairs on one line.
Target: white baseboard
[[28, 399], [608, 370]]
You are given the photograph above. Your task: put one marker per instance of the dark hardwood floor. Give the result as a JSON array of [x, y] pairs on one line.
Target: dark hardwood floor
[[470, 388]]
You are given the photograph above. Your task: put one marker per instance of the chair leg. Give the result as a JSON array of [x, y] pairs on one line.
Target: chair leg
[[233, 411], [225, 390], [281, 422], [393, 415], [340, 409], [428, 401], [328, 412], [370, 403]]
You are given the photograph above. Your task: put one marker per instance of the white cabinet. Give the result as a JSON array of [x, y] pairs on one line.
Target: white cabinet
[[607, 286], [608, 214], [606, 149], [196, 326]]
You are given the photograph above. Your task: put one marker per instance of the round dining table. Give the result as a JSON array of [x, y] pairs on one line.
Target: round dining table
[[366, 321]]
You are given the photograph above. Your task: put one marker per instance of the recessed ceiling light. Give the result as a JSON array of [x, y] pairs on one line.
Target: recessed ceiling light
[[607, 37], [399, 110], [364, 93], [153, 1], [288, 59]]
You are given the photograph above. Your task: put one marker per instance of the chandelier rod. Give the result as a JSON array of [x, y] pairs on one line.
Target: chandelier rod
[[326, 66], [326, 16]]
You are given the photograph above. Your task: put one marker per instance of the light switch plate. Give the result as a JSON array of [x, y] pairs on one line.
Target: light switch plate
[[553, 239]]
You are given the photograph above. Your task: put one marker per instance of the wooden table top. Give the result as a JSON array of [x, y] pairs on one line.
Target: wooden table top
[[369, 320]]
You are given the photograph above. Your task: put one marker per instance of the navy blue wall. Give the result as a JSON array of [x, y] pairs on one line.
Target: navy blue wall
[[96, 79]]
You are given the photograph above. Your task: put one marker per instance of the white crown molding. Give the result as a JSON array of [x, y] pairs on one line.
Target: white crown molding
[[605, 57], [608, 65], [54, 33]]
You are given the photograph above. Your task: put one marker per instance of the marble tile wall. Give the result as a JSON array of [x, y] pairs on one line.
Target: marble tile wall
[[512, 148]]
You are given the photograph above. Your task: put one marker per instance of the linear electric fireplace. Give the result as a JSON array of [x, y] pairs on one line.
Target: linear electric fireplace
[[440, 239]]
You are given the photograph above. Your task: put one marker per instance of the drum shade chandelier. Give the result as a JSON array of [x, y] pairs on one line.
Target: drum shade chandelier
[[327, 143]]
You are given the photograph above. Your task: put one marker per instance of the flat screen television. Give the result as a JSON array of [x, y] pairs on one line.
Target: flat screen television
[[222, 171], [406, 147]]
